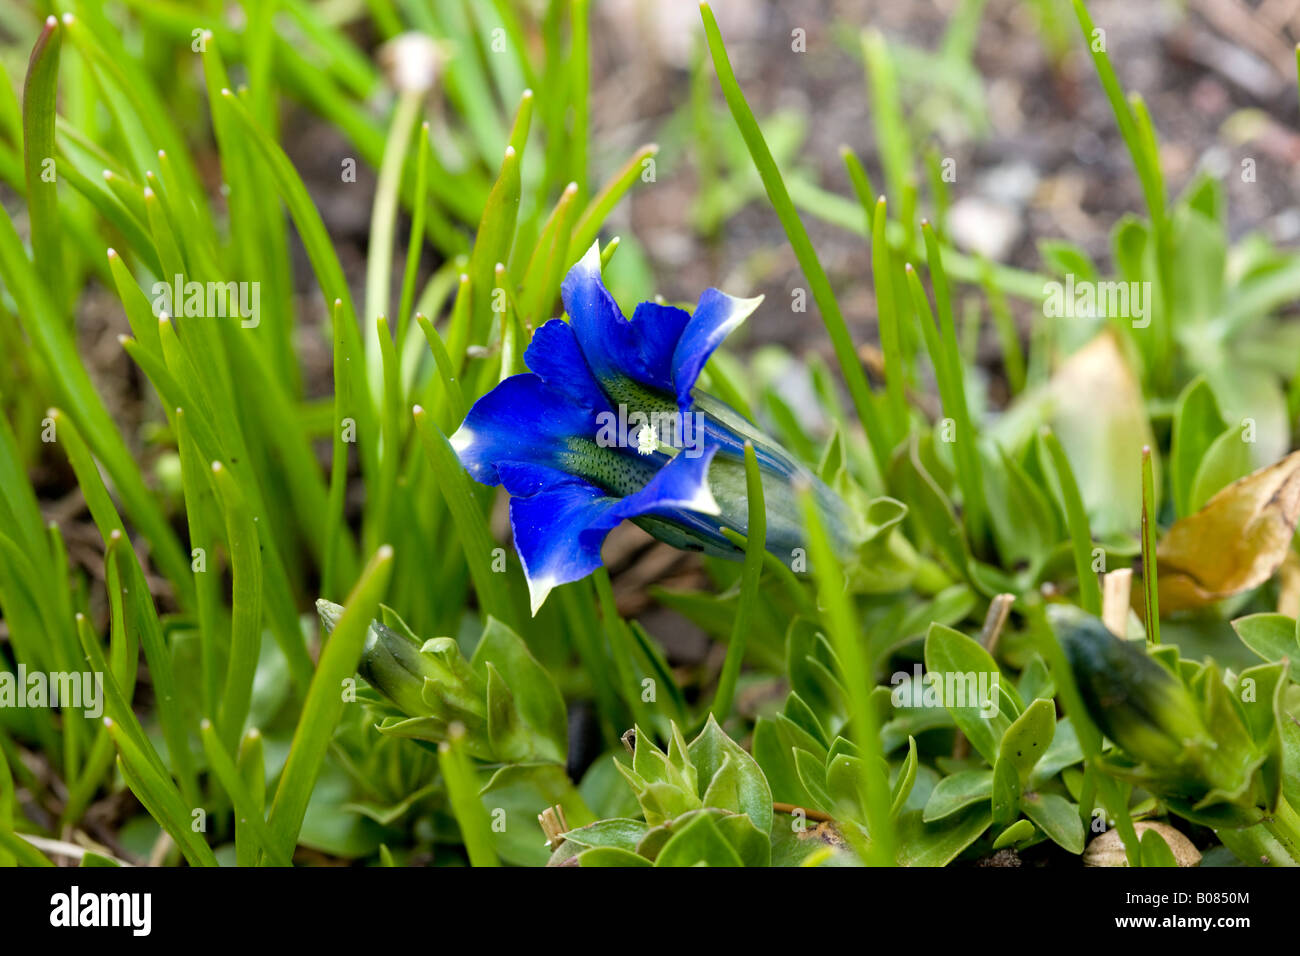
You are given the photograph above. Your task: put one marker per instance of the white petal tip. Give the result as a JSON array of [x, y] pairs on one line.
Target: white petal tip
[[461, 440], [538, 591], [704, 502], [591, 258]]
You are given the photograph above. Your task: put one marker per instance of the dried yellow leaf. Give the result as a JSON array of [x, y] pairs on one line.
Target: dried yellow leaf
[[1235, 542]]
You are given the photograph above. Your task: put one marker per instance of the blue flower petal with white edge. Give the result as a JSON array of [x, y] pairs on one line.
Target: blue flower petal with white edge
[[523, 418], [575, 469], [559, 530], [608, 340], [558, 534], [715, 317]]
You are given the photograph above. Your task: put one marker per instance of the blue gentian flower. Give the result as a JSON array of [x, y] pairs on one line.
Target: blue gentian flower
[[608, 426]]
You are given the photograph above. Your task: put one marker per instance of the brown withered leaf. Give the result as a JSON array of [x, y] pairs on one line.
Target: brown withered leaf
[[1237, 541]]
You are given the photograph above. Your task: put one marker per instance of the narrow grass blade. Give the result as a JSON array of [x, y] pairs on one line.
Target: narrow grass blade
[[1149, 562], [416, 239], [139, 313], [140, 763], [891, 129], [377, 523], [578, 613], [1013, 357], [145, 617], [54, 344], [161, 802], [22, 852], [779, 196], [249, 822], [252, 773], [383, 224], [887, 316], [338, 567], [942, 348], [40, 94], [246, 613], [840, 622], [325, 263], [1076, 517], [579, 89], [196, 488], [324, 704], [602, 204], [492, 244], [523, 122], [940, 194], [545, 270], [1128, 126], [860, 180], [750, 575], [462, 790], [467, 516], [455, 399], [620, 645]]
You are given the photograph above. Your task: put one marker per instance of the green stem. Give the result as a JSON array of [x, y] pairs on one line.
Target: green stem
[[1149, 549], [383, 223], [1284, 825], [755, 548], [620, 644]]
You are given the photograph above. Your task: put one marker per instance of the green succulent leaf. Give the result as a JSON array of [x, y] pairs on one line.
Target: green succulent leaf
[[507, 734], [959, 661], [956, 792], [616, 832], [1018, 834], [1028, 738], [1007, 791], [940, 842], [537, 699], [1272, 637], [699, 843], [611, 856], [746, 784], [1057, 817]]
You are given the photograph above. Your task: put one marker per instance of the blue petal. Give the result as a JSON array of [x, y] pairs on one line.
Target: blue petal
[[559, 530], [713, 320], [609, 341], [554, 355], [659, 327], [680, 485], [522, 419], [524, 479], [558, 534]]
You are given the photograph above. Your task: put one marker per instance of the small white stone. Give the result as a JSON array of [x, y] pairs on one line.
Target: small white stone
[[1108, 849], [984, 226]]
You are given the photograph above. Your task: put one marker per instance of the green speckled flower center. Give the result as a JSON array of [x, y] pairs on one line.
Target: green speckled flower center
[[637, 397], [618, 471]]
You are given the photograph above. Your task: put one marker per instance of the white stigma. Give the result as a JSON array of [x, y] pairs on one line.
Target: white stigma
[[647, 439]]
